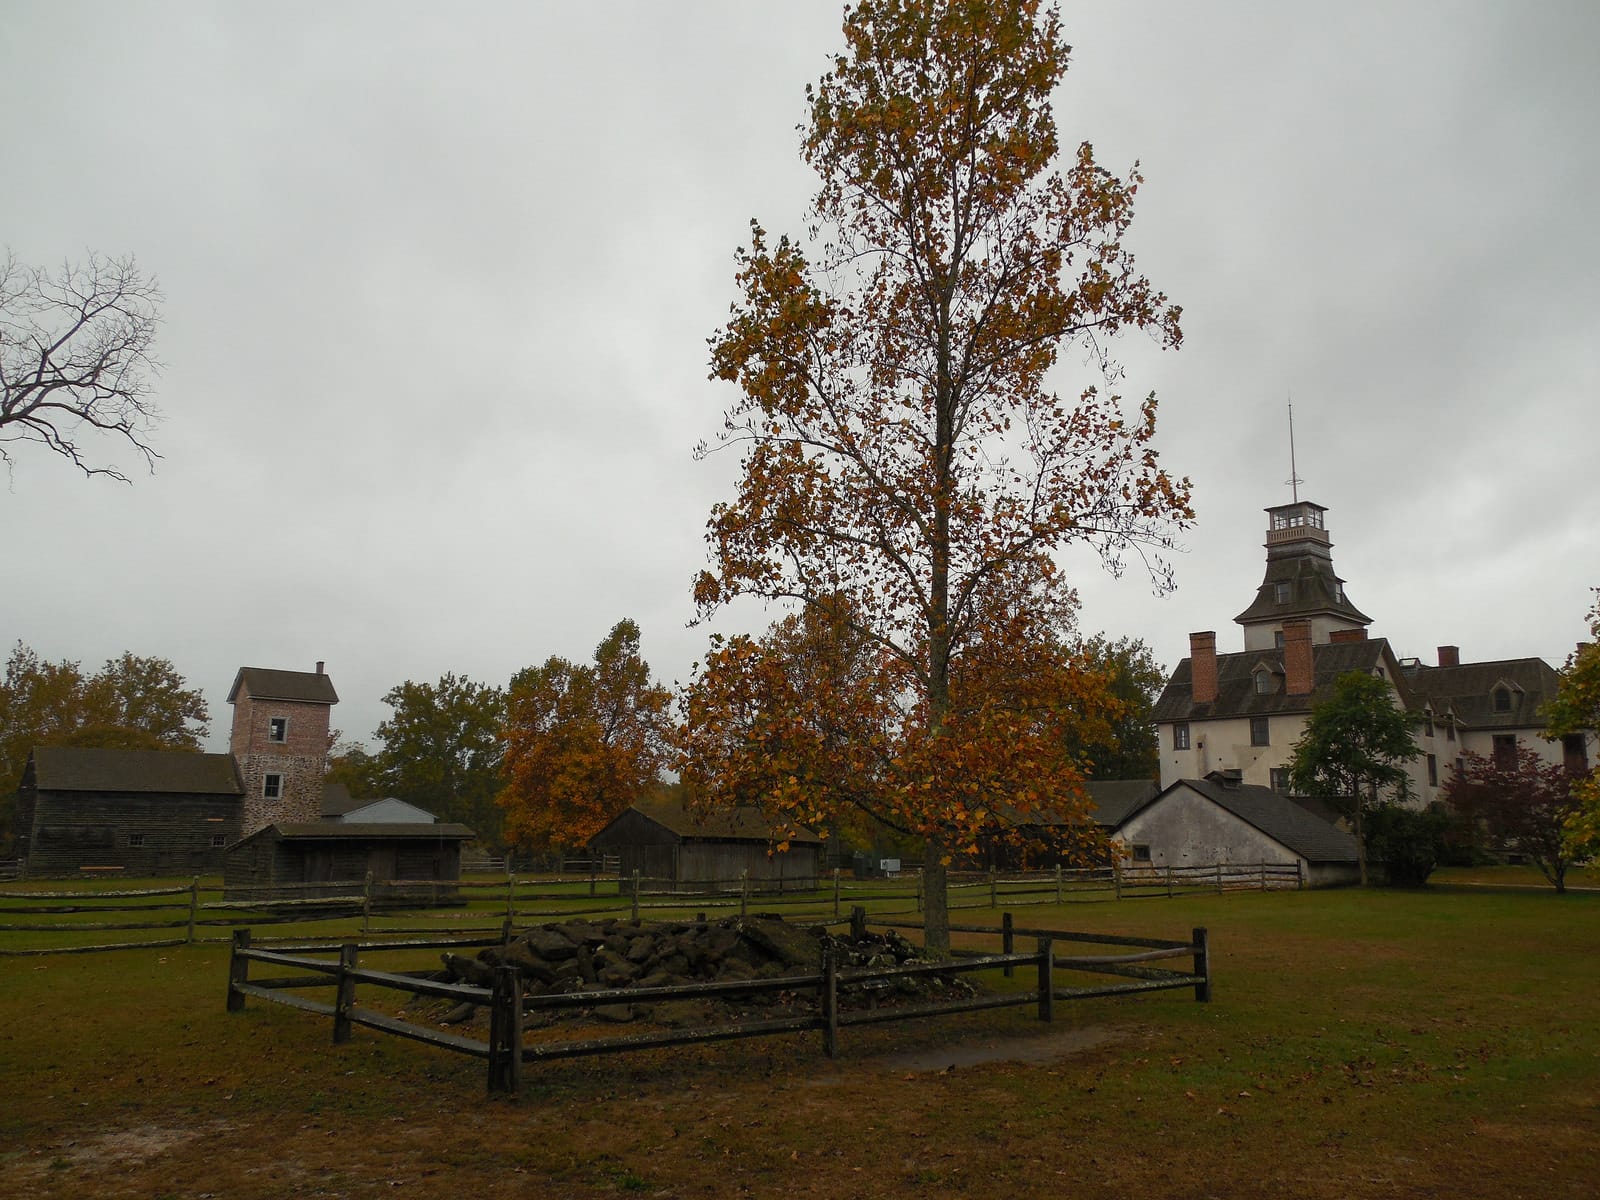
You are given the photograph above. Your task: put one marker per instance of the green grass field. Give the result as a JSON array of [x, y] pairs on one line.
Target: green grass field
[[1360, 1044]]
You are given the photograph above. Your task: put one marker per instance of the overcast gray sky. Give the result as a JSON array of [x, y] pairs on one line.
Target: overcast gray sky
[[439, 280]]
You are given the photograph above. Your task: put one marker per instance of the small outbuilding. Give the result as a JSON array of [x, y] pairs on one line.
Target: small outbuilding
[[289, 860], [675, 850], [1218, 819]]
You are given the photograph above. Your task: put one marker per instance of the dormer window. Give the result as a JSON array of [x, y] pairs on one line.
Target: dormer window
[[1265, 684], [1427, 722], [1502, 699], [1282, 592]]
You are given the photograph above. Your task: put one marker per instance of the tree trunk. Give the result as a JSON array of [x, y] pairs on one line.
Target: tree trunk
[[935, 901]]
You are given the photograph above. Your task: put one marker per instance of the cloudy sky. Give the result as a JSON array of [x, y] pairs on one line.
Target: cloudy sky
[[439, 279]]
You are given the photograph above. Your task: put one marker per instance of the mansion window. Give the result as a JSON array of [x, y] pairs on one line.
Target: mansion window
[[1502, 699], [1258, 732], [1433, 771], [1281, 592], [1264, 683], [271, 787], [1449, 729], [1427, 723], [1280, 780], [1575, 753], [278, 729], [1505, 751], [1277, 639], [1180, 735]]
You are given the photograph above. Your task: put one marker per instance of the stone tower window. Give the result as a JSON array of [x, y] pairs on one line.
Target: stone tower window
[[278, 729]]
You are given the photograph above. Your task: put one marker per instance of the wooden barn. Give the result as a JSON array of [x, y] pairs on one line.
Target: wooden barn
[[281, 860], [135, 812], [674, 850]]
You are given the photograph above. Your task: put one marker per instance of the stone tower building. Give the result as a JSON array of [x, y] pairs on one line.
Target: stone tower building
[[280, 741]]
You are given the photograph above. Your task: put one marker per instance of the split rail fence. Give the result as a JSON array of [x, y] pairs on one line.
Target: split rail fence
[[505, 1052], [200, 912]]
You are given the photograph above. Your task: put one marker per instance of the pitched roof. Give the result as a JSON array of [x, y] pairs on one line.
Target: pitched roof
[[336, 799], [1280, 818], [177, 772], [1468, 691], [746, 823], [1236, 692], [262, 683], [411, 831], [1115, 800]]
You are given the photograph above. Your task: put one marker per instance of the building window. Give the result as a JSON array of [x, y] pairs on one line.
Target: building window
[[1264, 683], [278, 729], [1258, 732], [1281, 592], [272, 787], [1449, 729], [1141, 853], [1575, 753], [1433, 771], [1505, 751], [1180, 735], [135, 840], [1427, 723], [1502, 699], [218, 840], [1277, 639], [1280, 780]]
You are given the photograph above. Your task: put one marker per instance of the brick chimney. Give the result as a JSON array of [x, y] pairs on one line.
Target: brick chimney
[[320, 665], [1348, 635], [1297, 656], [1449, 656], [1203, 666]]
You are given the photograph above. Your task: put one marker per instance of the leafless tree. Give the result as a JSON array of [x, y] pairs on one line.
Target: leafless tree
[[75, 357]]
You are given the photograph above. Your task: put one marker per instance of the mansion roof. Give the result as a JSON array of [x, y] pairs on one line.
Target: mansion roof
[[1236, 690], [1468, 691]]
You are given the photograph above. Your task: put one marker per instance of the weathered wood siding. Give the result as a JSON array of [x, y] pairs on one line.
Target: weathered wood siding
[[136, 833]]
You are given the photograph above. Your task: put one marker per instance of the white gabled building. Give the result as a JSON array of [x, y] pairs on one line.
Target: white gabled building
[[1244, 711]]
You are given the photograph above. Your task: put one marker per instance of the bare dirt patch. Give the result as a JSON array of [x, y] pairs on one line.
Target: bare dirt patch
[[1045, 1048]]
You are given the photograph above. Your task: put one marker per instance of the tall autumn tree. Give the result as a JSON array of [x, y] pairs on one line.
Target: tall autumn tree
[[582, 742], [901, 438], [1575, 713]]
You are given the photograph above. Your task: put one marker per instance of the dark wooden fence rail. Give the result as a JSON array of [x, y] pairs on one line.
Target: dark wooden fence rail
[[198, 912], [505, 1052]]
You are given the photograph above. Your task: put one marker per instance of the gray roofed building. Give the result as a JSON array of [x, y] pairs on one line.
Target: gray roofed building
[[174, 772], [1503, 694], [1115, 800], [1240, 695], [311, 687]]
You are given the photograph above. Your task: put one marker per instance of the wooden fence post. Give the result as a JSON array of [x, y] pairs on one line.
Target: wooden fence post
[[836, 893], [366, 905], [1058, 883], [744, 891], [1047, 987], [1263, 875], [1300, 874], [858, 922], [1008, 942], [238, 969], [830, 1003], [511, 894], [505, 1032], [636, 893], [1202, 966], [994, 900], [194, 907], [344, 996], [1116, 874], [919, 891]]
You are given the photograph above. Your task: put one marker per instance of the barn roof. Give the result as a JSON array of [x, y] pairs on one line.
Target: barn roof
[[1276, 815], [1115, 800], [174, 772], [262, 683], [744, 824]]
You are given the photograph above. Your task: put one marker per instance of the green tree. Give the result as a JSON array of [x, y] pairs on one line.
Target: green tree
[[1353, 752], [582, 742], [901, 438], [1136, 679], [440, 750], [1575, 712]]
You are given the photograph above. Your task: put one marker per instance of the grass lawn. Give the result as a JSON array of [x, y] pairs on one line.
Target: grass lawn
[[1360, 1044]]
